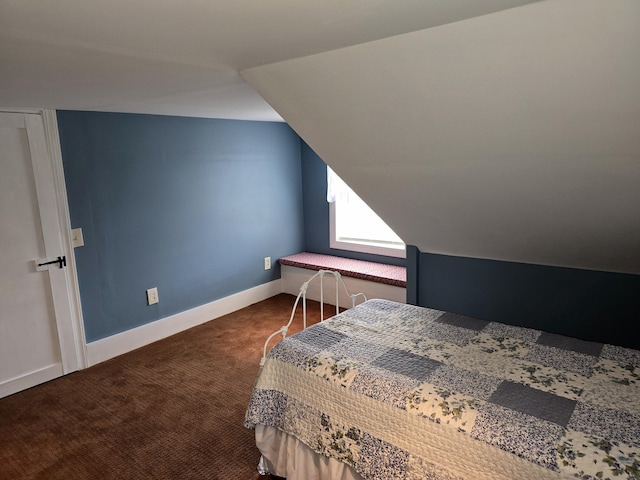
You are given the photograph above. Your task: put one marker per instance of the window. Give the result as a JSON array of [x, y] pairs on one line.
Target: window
[[354, 226]]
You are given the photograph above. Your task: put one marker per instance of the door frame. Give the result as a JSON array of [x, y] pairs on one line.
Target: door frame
[[69, 321]]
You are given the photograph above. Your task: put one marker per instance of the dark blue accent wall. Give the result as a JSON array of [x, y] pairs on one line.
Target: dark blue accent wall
[[316, 212], [591, 305], [190, 206]]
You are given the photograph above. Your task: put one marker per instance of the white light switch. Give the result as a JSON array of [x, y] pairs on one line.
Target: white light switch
[[76, 237]]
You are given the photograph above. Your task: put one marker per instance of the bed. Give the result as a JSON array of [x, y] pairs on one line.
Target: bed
[[386, 390]]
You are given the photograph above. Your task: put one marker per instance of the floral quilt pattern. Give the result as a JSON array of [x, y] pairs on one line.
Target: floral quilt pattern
[[564, 406]]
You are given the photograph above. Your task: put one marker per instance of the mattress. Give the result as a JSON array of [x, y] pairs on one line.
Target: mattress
[[396, 391]]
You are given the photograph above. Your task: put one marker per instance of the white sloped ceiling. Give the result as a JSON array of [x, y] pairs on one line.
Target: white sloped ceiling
[[182, 57], [511, 136]]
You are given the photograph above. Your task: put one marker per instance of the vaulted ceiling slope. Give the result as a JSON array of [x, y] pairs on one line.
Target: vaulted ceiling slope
[[182, 57], [512, 136], [502, 129]]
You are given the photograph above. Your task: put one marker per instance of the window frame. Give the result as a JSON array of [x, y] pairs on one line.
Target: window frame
[[356, 246]]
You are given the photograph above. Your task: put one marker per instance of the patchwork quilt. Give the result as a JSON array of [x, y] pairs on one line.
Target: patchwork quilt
[[404, 392]]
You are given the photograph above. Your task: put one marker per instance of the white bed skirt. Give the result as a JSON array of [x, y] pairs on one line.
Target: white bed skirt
[[286, 456]]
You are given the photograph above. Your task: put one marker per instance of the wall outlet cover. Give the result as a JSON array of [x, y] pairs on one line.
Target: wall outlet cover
[[152, 296]]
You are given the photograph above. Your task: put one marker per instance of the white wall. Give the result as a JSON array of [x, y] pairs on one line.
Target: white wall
[[511, 136]]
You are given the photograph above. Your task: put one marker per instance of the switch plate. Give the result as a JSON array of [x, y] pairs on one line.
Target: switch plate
[[267, 263], [152, 296], [76, 237]]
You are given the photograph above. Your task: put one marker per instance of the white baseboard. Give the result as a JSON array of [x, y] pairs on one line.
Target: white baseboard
[[124, 342]]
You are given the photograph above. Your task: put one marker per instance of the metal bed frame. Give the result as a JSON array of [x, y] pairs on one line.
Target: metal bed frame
[[303, 294]]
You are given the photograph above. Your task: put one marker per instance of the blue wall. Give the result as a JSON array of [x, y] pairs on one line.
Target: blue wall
[[191, 206], [316, 212], [591, 305]]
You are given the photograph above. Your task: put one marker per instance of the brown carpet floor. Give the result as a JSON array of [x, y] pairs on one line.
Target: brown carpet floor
[[171, 410]]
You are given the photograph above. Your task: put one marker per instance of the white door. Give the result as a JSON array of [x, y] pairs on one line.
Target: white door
[[38, 341]]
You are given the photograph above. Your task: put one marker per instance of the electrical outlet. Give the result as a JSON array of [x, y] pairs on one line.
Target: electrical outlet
[[152, 296], [267, 263]]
